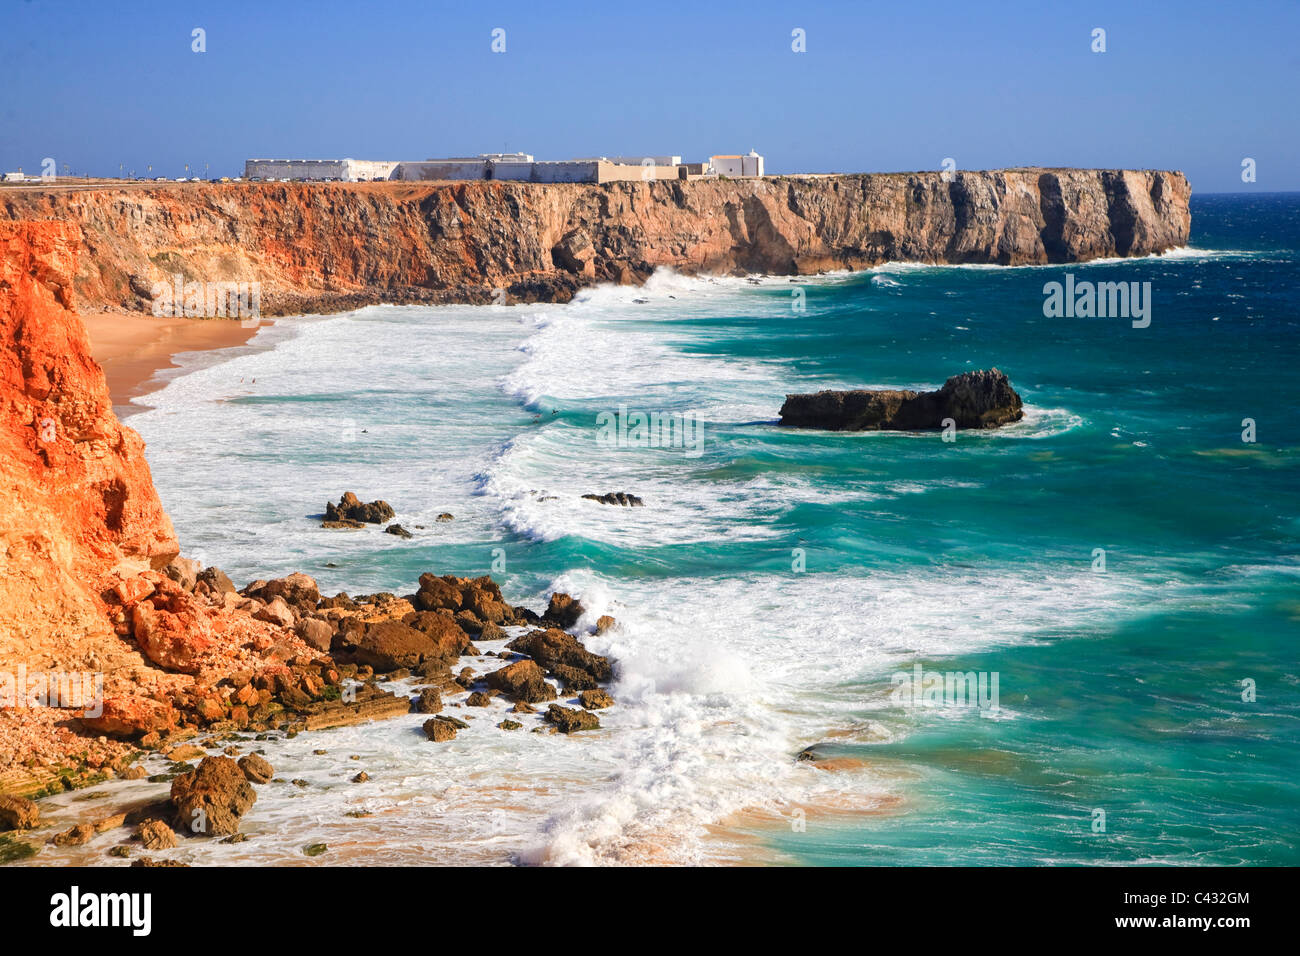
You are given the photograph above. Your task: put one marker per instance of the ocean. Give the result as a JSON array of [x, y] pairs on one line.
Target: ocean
[[1123, 562]]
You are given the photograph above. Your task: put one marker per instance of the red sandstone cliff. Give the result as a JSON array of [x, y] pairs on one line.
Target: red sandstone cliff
[[323, 247], [83, 537]]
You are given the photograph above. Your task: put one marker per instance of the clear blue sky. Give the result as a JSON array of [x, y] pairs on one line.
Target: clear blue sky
[[1190, 85]]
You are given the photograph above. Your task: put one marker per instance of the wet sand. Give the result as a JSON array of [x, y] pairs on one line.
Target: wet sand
[[134, 347]]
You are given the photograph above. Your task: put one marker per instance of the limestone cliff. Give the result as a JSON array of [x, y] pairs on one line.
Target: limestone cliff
[[324, 247]]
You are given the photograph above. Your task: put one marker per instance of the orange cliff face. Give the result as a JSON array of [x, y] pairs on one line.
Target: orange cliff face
[[84, 542], [78, 509]]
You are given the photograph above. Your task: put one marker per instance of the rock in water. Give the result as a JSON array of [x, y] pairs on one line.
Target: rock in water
[[983, 399], [351, 508]]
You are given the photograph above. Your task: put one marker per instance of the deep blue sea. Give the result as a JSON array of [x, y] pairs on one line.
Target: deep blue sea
[[1123, 561]]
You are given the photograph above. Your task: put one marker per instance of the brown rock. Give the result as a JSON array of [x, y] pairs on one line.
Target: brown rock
[[563, 655], [18, 813], [428, 701], [211, 798], [595, 699], [157, 835], [564, 610], [982, 399], [568, 720], [256, 768], [351, 508], [478, 699], [132, 716], [522, 681], [79, 835], [439, 729]]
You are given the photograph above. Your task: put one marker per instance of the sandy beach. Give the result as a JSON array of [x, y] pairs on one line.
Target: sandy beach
[[133, 347]]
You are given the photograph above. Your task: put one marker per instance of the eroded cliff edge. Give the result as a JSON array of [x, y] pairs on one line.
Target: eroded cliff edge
[[326, 247]]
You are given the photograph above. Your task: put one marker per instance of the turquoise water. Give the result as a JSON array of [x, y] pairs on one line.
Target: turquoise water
[[774, 583]]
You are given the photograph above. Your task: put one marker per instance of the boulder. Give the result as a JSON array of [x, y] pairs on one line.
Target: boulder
[[398, 530], [428, 701], [78, 835], [133, 716], [184, 571], [276, 612], [522, 681], [569, 721], [18, 813], [448, 639], [211, 798], [440, 729], [595, 699], [316, 633], [217, 580], [256, 768], [478, 699], [157, 835], [171, 628], [351, 508], [389, 645], [982, 399], [299, 591], [563, 655], [605, 624], [563, 610]]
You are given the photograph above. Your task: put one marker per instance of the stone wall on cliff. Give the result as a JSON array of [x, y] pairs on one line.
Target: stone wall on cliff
[[325, 247]]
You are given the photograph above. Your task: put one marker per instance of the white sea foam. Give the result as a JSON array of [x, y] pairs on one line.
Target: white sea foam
[[721, 680]]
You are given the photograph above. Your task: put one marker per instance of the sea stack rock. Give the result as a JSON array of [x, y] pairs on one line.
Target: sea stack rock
[[983, 399]]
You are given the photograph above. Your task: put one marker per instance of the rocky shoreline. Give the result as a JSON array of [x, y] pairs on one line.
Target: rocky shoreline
[[209, 734]]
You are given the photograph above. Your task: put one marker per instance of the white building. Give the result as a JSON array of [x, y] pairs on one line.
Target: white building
[[750, 164], [343, 170]]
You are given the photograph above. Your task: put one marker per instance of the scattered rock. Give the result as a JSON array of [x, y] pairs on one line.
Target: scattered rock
[[185, 752], [18, 813], [605, 624], [563, 655], [350, 508], [478, 699], [362, 777], [398, 530], [315, 849], [256, 769], [568, 720], [428, 701], [74, 836], [440, 729], [564, 610], [617, 498], [132, 716], [509, 724], [184, 571], [522, 707], [110, 823], [595, 699], [522, 681], [277, 612], [315, 632], [119, 851], [216, 579], [157, 835], [445, 516]]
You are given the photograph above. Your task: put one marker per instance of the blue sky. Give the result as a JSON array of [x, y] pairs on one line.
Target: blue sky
[[1196, 86]]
